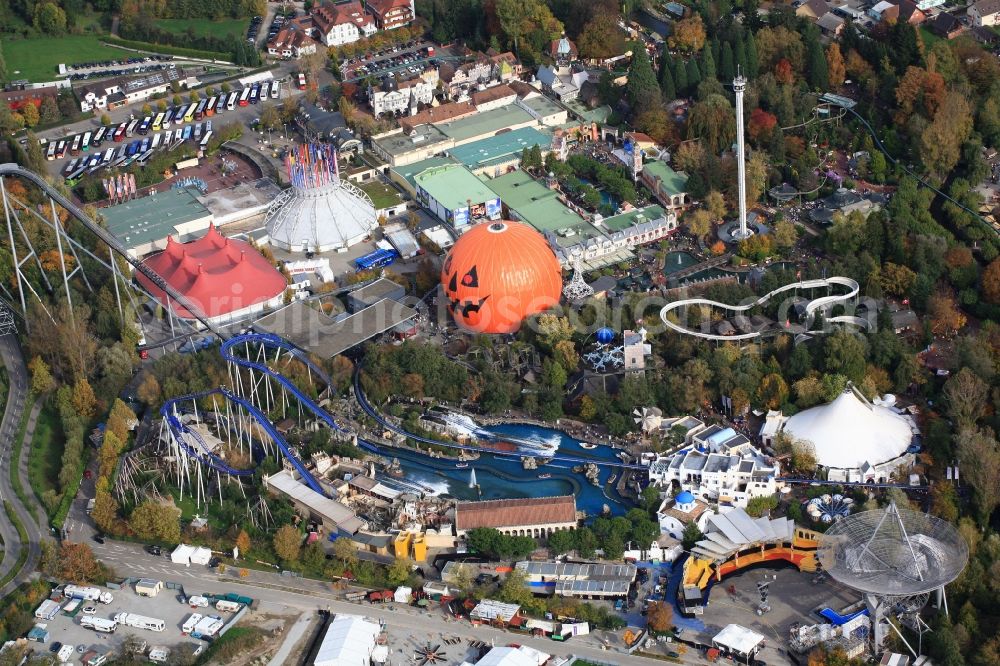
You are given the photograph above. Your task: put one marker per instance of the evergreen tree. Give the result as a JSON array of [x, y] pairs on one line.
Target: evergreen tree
[[535, 156], [751, 17], [707, 62], [728, 68], [777, 147], [680, 78], [817, 74], [716, 50], [666, 63], [667, 86], [753, 63], [693, 74], [740, 56], [642, 88]]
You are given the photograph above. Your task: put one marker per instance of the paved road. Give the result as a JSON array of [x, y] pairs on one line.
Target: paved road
[[293, 594], [17, 374]]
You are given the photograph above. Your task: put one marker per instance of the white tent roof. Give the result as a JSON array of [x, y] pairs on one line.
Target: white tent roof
[[330, 217], [181, 554], [851, 431], [738, 639], [349, 641], [510, 656]]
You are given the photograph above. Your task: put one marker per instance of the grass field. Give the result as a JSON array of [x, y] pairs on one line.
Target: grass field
[[45, 458], [236, 27], [382, 195], [38, 59]]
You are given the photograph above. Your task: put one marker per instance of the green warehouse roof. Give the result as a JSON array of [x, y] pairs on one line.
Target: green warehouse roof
[[410, 171], [482, 152], [454, 186], [485, 123], [154, 217], [541, 208], [631, 218]]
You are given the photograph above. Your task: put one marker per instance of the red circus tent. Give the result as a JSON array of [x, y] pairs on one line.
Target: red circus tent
[[217, 274]]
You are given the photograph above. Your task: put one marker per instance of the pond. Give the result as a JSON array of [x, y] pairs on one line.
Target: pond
[[677, 261], [712, 273], [502, 477]]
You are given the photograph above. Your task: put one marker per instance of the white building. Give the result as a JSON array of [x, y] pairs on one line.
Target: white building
[[350, 640], [122, 91], [563, 82], [625, 232], [676, 513], [984, 13], [635, 349], [342, 23], [855, 440], [400, 96], [729, 478]]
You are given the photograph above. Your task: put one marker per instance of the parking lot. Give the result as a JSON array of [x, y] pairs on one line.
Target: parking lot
[[404, 60], [165, 606]]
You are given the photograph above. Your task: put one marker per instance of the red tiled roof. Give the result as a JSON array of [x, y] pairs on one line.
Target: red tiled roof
[[516, 512], [492, 94], [380, 7], [329, 15], [439, 114]]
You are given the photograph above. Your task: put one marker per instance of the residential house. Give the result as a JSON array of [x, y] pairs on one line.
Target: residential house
[[731, 479], [342, 23], [924, 5], [884, 11], [812, 9], [400, 97], [985, 36], [830, 24], [947, 26], [293, 40], [17, 97], [506, 65], [909, 12], [563, 82], [984, 13], [391, 14]]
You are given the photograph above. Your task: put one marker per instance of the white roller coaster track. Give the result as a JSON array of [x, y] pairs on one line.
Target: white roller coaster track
[[821, 303]]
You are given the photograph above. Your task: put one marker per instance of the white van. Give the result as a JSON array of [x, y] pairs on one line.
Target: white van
[[65, 653]]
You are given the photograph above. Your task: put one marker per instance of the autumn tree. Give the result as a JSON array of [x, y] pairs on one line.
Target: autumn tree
[[287, 543], [979, 454], [41, 377], [945, 316], [520, 18], [966, 397], [601, 38], [712, 121], [345, 551], [761, 124], [105, 511], [77, 564], [785, 234], [688, 35], [84, 400], [149, 390], [698, 222], [398, 572], [715, 204], [991, 282], [783, 72], [660, 616], [896, 279], [835, 67], [772, 391], [30, 114], [156, 521], [941, 142], [242, 542]]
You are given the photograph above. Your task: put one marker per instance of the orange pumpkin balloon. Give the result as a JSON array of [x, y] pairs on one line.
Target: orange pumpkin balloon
[[499, 273]]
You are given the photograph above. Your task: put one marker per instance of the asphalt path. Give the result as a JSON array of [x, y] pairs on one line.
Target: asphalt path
[[17, 375]]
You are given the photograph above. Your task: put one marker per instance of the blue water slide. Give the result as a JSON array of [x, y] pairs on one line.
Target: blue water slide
[[836, 619]]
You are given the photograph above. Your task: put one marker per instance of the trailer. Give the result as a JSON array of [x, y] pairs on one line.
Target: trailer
[[87, 593], [191, 623], [159, 654], [65, 653], [147, 587], [101, 625], [208, 627], [71, 607], [47, 610], [227, 606], [198, 602], [140, 621]]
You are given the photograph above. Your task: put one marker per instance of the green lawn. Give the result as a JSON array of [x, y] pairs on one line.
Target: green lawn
[[236, 27], [929, 38], [39, 59], [45, 458], [382, 195]]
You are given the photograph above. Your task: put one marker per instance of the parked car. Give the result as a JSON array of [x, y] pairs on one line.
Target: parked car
[[153, 549], [55, 647], [99, 538]]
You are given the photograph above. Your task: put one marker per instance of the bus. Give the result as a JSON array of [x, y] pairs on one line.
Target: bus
[[166, 120], [205, 139], [179, 114], [156, 141], [144, 125], [108, 154], [302, 81], [50, 154], [75, 148], [220, 105], [85, 143], [94, 164], [187, 132], [376, 259], [61, 149], [158, 122], [245, 97], [99, 136], [208, 125], [231, 102], [145, 145], [133, 148], [274, 89], [71, 166], [199, 112], [210, 106], [197, 133], [254, 93], [120, 133], [189, 114], [130, 130]]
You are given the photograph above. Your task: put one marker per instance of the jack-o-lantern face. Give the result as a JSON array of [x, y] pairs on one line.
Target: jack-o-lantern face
[[497, 274]]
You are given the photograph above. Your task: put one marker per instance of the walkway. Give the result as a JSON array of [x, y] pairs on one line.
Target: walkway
[[292, 639]]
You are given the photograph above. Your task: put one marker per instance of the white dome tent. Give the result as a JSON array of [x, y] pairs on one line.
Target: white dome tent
[[854, 439]]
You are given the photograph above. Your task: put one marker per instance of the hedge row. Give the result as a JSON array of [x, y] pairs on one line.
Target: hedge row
[[22, 534], [168, 50]]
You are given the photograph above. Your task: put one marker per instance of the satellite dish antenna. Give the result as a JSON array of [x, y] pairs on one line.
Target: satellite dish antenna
[[895, 557]]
